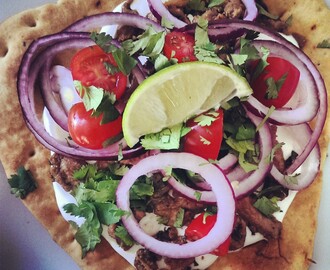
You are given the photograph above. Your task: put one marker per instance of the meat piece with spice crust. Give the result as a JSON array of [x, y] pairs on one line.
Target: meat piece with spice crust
[[62, 169], [257, 222]]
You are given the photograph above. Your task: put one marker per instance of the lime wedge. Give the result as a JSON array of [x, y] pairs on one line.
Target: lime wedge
[[177, 93]]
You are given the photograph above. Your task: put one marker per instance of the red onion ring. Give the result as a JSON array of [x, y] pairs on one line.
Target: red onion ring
[[27, 76], [307, 105], [227, 162], [251, 11], [310, 167], [112, 18], [159, 10], [205, 195], [220, 186], [322, 93], [44, 60], [255, 178]]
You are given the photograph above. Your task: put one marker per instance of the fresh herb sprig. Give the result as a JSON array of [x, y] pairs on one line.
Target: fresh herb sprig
[[22, 183]]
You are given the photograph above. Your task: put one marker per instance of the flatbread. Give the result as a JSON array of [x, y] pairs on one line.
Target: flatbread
[[19, 147]]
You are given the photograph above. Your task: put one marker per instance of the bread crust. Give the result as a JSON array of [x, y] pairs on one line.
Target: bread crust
[[19, 147]]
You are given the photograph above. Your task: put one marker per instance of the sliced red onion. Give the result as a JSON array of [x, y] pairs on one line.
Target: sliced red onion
[[227, 162], [44, 61], [256, 177], [62, 83], [251, 11], [237, 175], [159, 10], [112, 18], [203, 195], [309, 168], [41, 49], [220, 186], [308, 102], [321, 90]]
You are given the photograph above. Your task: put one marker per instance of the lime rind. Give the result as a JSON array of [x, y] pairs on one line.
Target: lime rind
[[176, 93]]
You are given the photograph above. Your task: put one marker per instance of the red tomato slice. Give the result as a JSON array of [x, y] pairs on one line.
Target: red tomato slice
[[200, 227], [276, 69], [87, 131], [204, 141], [180, 46], [87, 66]]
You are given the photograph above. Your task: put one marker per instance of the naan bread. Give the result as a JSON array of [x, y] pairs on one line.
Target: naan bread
[[19, 147]]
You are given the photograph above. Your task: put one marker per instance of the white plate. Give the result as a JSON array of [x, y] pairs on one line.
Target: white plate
[[25, 244]]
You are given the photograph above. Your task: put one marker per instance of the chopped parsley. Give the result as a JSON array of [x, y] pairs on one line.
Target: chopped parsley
[[22, 183]]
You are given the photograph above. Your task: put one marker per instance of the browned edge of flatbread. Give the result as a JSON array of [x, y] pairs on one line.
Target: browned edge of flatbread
[[19, 147], [17, 144], [309, 19]]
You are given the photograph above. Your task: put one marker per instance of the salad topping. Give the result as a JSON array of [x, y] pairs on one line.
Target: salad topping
[[207, 108]]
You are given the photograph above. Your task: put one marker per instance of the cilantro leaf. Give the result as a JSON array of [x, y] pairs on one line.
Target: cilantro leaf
[[267, 206], [206, 119], [271, 156], [204, 49], [106, 108], [161, 61], [150, 43], [204, 141], [262, 63], [274, 87], [179, 218], [324, 44], [292, 179], [22, 183], [168, 138], [92, 96], [198, 195], [241, 146], [214, 3], [88, 235], [108, 213], [246, 131], [264, 12], [123, 235], [85, 172], [245, 164], [124, 61], [166, 23]]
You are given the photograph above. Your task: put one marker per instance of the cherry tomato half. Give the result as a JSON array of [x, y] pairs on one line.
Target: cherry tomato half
[[180, 46], [86, 130], [87, 66], [200, 227], [276, 69], [204, 141]]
